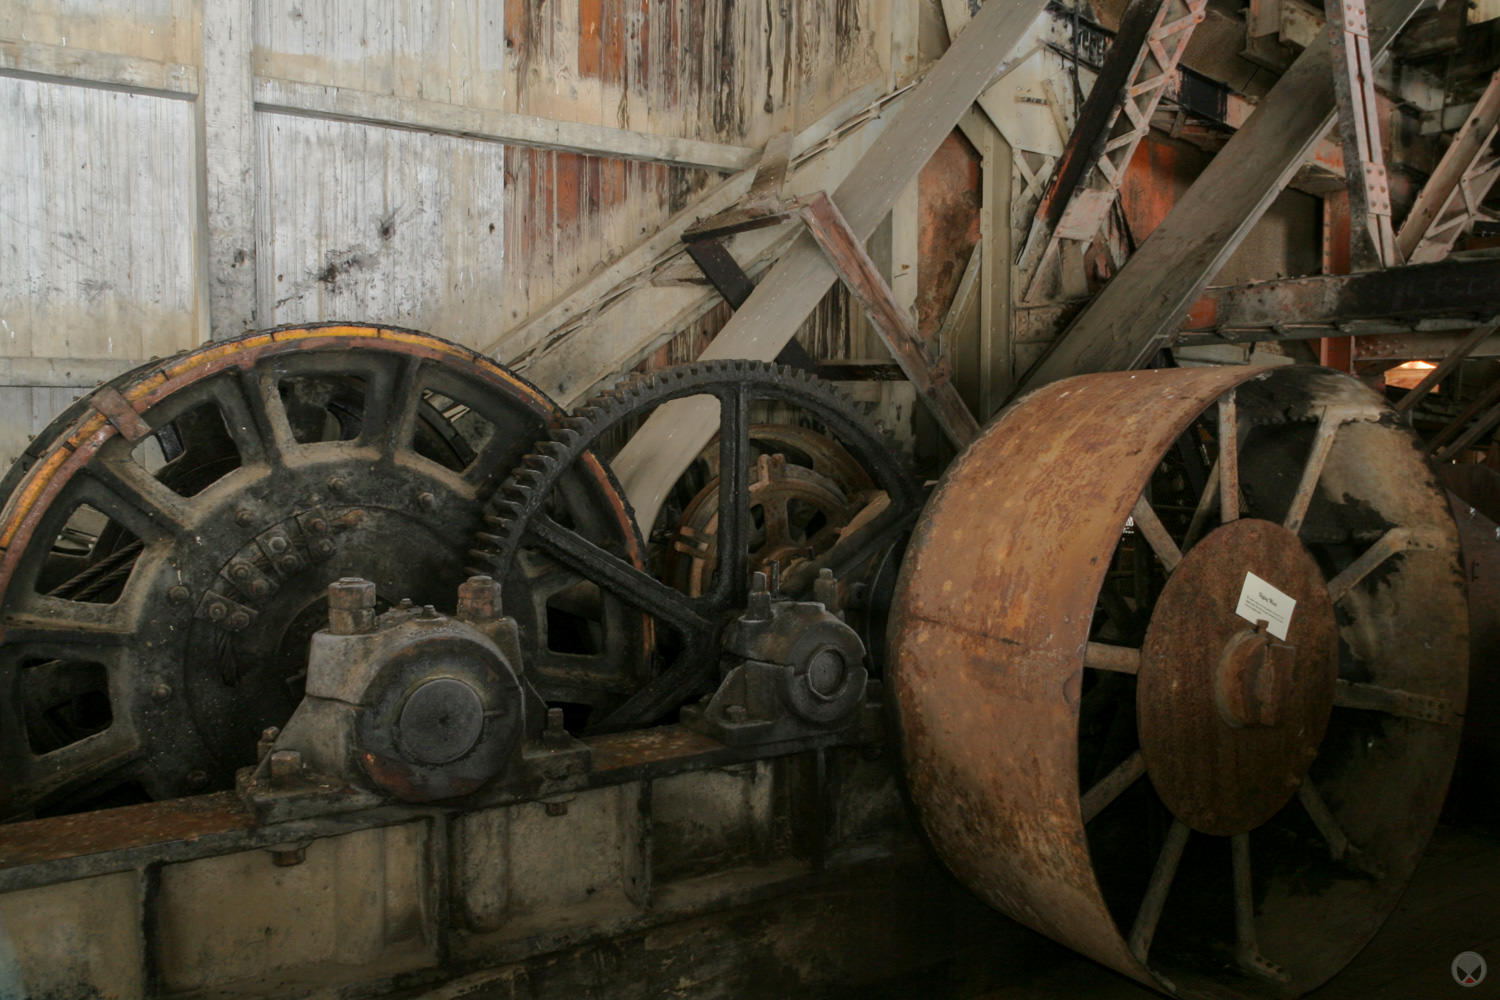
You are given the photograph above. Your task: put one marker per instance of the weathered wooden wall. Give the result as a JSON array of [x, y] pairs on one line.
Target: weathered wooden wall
[[172, 170]]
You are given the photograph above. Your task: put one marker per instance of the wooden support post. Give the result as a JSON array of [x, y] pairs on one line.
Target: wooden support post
[[226, 143], [1373, 243]]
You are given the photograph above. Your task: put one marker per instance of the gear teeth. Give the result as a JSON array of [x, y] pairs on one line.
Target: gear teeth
[[554, 450]]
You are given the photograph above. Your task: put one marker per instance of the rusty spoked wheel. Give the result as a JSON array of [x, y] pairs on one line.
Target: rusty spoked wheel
[[805, 489], [169, 541], [1179, 664]]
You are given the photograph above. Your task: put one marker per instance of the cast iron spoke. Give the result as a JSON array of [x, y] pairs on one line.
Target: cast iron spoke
[[254, 416], [1103, 656], [1112, 785], [1394, 701], [89, 761], [85, 638], [1246, 949], [692, 672], [1322, 444], [732, 582], [129, 494], [1155, 533], [491, 462], [391, 399], [631, 585], [1149, 915]]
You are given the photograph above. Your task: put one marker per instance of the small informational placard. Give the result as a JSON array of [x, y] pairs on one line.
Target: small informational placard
[[1261, 602]]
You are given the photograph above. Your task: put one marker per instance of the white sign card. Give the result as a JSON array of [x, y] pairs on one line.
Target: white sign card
[[1259, 601]]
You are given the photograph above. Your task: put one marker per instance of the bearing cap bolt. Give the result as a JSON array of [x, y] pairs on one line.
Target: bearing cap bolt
[[556, 733], [285, 766], [351, 606], [177, 594], [478, 600], [759, 608], [826, 590]]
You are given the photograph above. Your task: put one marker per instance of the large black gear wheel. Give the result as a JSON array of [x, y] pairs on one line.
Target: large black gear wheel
[[168, 541], [523, 526]]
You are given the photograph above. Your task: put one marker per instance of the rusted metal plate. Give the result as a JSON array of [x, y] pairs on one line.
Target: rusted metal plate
[[1228, 727]]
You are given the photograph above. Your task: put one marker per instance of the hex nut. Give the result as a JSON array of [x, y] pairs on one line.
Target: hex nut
[[478, 600], [351, 606]]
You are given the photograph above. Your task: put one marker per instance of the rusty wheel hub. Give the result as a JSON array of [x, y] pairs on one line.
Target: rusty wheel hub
[[1231, 715]]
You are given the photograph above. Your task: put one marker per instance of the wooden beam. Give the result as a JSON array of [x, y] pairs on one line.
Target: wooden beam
[[1444, 207], [226, 151], [1453, 294], [61, 373], [1139, 311], [606, 323], [658, 453], [933, 381], [494, 125], [86, 67]]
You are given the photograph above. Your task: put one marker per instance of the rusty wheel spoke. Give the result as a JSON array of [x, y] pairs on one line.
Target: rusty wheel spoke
[[1155, 533], [1312, 471], [1104, 656], [1393, 542], [1228, 466], [1246, 948], [1149, 914], [1112, 785]]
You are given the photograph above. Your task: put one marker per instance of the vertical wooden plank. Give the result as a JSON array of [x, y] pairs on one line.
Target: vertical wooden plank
[[996, 331], [227, 158]]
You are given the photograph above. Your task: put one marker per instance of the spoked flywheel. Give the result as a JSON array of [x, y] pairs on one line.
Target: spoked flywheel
[[169, 540], [1180, 662], [756, 511]]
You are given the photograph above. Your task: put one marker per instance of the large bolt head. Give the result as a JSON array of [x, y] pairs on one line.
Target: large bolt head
[[479, 599], [351, 606]]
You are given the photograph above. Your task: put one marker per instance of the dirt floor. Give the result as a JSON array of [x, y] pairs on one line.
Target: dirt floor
[[1452, 906]]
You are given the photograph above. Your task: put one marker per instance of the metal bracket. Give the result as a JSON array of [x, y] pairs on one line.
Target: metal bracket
[[1373, 242]]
